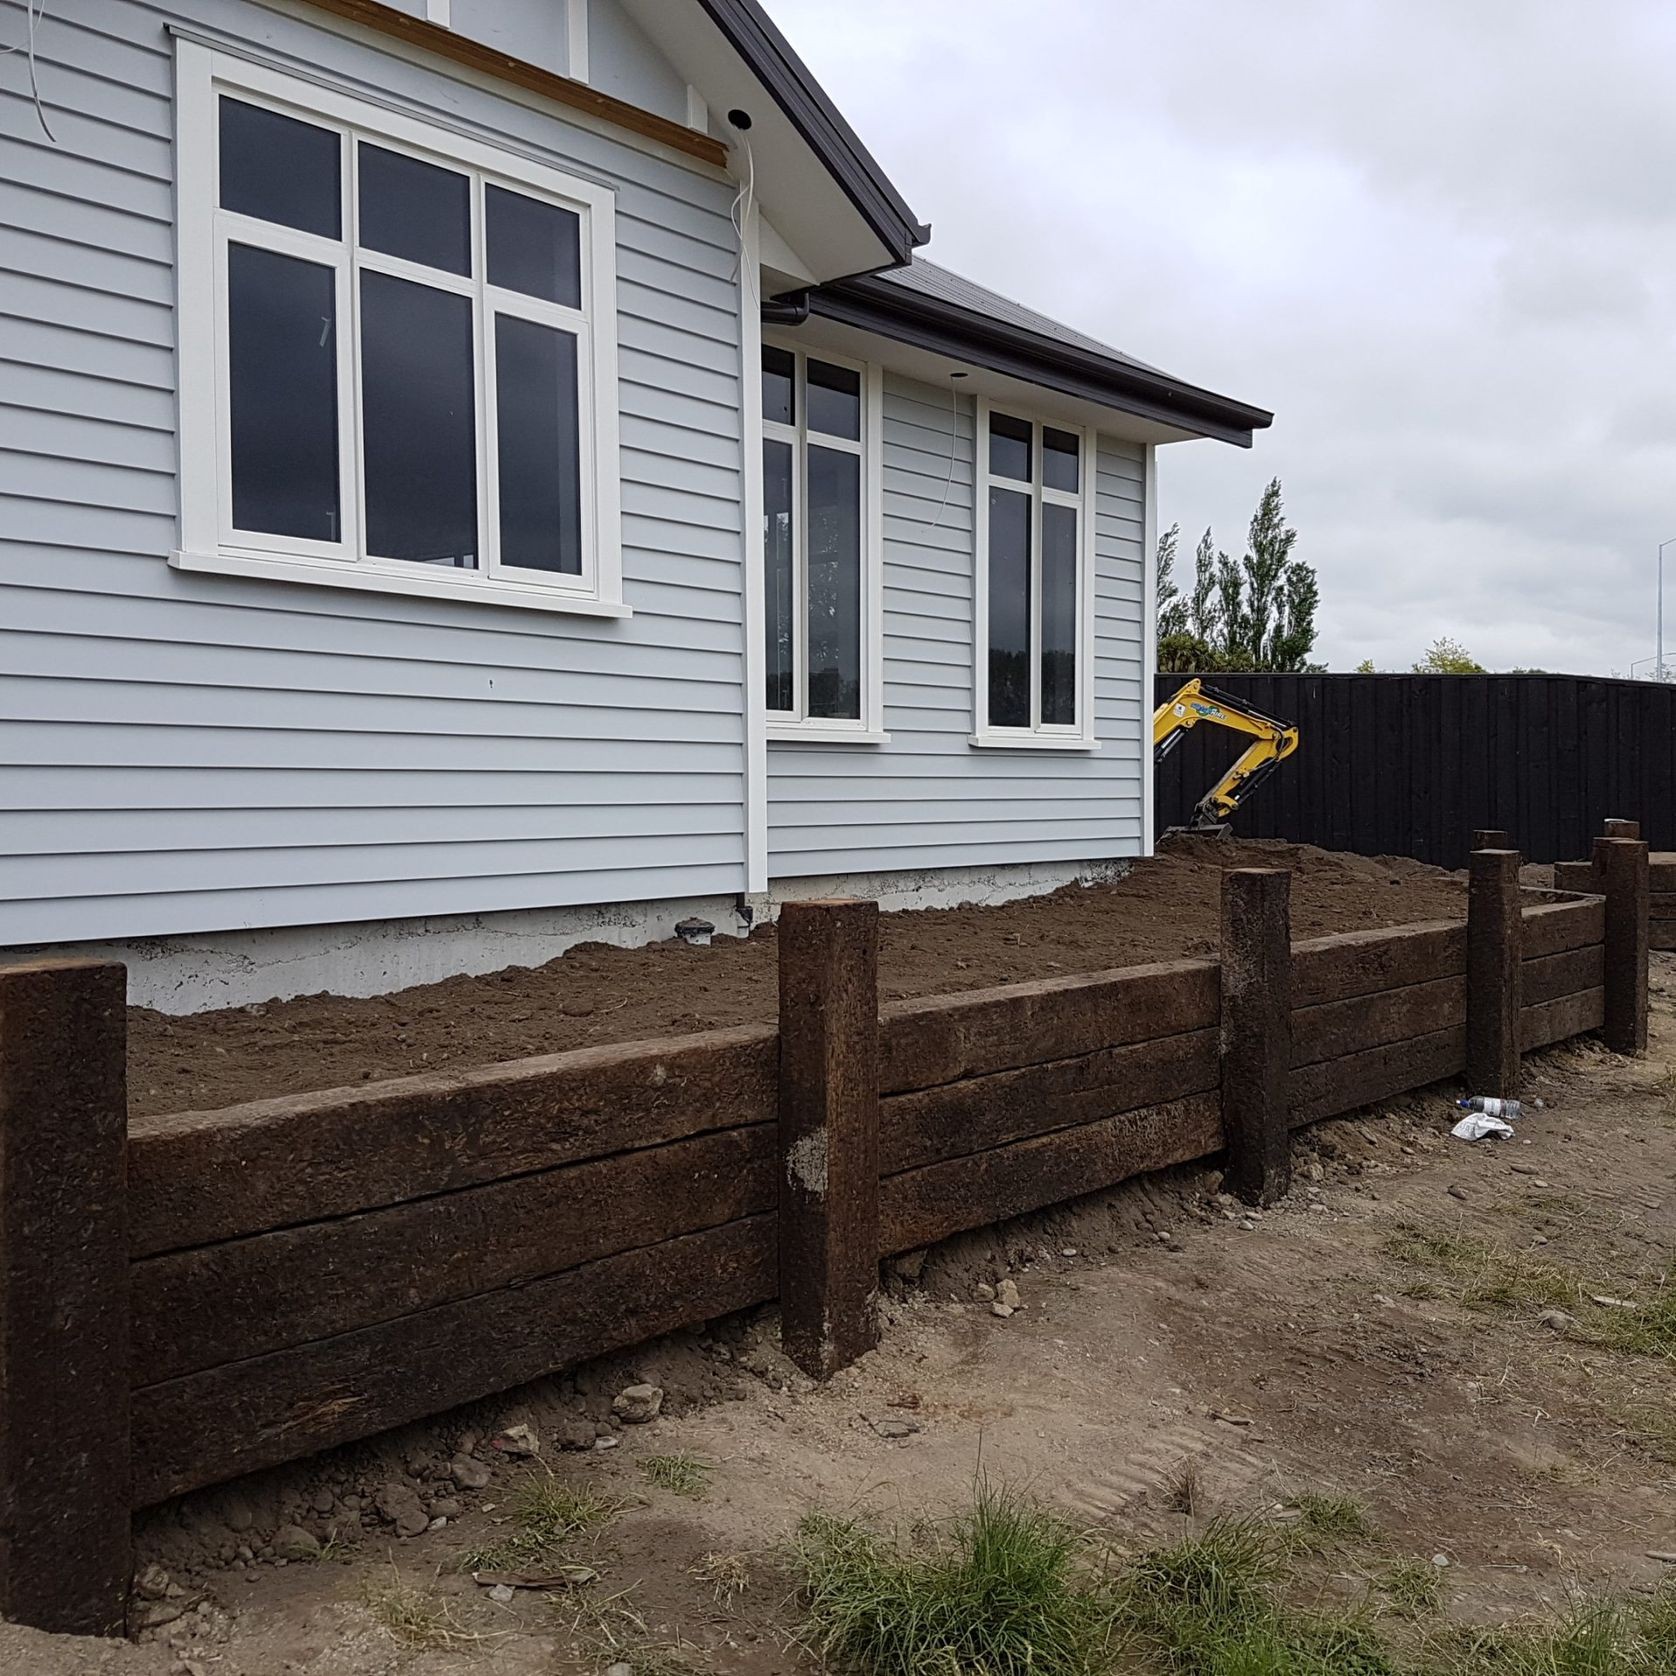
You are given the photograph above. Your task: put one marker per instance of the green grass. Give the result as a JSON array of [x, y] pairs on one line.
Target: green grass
[[681, 1474], [1327, 1520], [545, 1515], [1412, 1588], [1009, 1590], [1597, 1638], [1214, 1605], [1002, 1591], [1487, 1275], [1647, 1330]]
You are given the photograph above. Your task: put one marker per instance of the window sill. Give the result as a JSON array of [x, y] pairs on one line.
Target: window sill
[[1032, 742], [797, 733], [329, 573]]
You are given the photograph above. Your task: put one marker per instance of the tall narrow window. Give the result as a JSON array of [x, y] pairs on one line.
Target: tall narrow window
[[815, 570], [1032, 583], [412, 345]]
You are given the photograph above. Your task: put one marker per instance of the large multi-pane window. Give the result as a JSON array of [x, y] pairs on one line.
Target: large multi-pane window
[[1031, 582], [410, 344], [814, 515]]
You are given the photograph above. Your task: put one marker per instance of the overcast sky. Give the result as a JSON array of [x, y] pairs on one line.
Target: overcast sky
[[1436, 237]]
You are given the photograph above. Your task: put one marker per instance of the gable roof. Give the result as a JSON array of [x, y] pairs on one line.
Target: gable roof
[[752, 34], [935, 309]]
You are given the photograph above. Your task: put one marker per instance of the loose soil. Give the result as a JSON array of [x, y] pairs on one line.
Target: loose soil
[[1164, 909], [1175, 1358]]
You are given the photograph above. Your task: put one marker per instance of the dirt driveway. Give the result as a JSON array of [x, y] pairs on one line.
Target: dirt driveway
[[1390, 1335]]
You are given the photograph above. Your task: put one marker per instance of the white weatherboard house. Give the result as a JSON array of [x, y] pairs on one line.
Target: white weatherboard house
[[483, 474]]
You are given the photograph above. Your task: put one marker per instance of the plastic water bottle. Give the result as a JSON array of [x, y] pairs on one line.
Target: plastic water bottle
[[1491, 1106]]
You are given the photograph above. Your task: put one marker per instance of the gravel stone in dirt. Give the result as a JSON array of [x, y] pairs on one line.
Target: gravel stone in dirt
[[1164, 909]]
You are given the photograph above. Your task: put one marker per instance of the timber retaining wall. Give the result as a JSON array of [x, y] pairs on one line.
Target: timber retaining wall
[[202, 1294]]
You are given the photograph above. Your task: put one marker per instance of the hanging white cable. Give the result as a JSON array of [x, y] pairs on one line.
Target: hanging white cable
[[743, 207], [954, 444], [33, 12]]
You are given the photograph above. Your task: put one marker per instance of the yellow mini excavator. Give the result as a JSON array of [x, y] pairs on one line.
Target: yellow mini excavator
[[1272, 743]]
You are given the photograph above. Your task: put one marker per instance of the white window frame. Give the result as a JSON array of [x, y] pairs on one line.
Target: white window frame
[[798, 725], [1038, 736], [209, 542]]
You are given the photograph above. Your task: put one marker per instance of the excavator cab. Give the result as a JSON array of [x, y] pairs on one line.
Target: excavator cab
[[1272, 742]]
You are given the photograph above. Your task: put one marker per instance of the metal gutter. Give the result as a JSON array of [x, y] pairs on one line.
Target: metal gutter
[[963, 335]]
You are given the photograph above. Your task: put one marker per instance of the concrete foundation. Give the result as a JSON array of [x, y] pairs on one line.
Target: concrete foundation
[[198, 973]]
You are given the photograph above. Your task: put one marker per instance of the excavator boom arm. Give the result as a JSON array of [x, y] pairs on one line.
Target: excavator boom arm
[[1272, 742]]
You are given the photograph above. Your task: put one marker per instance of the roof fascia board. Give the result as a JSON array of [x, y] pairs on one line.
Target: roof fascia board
[[751, 33], [962, 335]]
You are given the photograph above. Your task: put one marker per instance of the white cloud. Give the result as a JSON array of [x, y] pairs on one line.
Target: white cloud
[[1439, 240]]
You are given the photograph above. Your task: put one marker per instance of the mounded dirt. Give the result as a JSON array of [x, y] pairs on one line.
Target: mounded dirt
[[1175, 1359], [1164, 909]]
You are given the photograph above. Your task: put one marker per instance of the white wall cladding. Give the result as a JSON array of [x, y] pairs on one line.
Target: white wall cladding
[[183, 753], [928, 798]]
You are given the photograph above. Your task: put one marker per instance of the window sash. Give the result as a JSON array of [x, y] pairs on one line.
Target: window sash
[[207, 231], [1040, 494], [801, 438]]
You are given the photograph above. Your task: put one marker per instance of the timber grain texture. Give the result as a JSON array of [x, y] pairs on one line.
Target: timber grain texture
[[241, 1298], [236, 1418], [198, 1177]]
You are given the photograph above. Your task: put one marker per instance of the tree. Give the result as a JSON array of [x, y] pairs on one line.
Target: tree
[[1257, 612], [1448, 657], [1365, 667], [1172, 608]]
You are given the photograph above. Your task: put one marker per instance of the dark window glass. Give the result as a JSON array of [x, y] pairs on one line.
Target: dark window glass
[[279, 169], [282, 361], [1009, 447], [534, 248], [1059, 615], [1060, 458], [834, 398], [1009, 608], [834, 584], [418, 422], [539, 449], [780, 575], [415, 210], [779, 387]]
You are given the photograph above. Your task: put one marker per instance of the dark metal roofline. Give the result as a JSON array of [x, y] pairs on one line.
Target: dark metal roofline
[[926, 322], [751, 34]]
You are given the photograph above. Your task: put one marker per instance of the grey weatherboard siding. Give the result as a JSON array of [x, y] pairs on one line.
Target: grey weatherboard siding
[[928, 799], [181, 752]]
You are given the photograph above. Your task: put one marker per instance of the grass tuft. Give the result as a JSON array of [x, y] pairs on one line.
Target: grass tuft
[[414, 1616], [1001, 1591], [1212, 1605], [728, 1575], [1413, 1588], [545, 1515], [682, 1474], [1596, 1638], [1325, 1520]]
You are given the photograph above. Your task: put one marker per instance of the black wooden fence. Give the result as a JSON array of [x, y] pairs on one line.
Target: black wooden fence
[[1410, 764]]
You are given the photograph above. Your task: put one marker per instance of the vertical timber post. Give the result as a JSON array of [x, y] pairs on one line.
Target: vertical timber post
[[1495, 926], [65, 1483], [1257, 1032], [1490, 839], [829, 1133], [1622, 867]]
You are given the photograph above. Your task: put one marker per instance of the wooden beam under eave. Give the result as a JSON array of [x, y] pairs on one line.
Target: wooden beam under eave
[[432, 37]]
